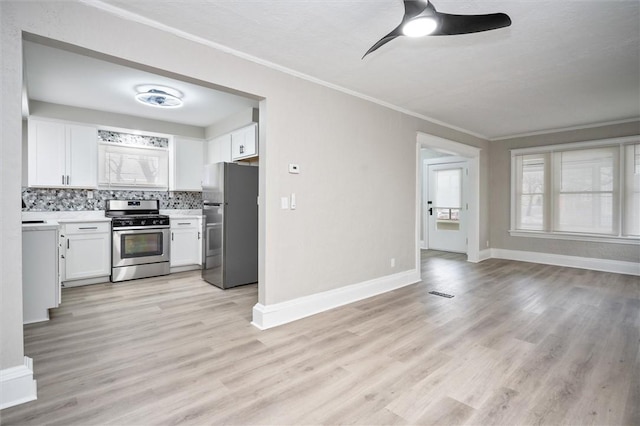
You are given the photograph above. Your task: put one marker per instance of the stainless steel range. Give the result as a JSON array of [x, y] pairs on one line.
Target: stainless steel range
[[140, 246]]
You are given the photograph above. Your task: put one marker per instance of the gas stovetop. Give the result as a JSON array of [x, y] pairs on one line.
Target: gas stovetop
[[123, 221], [130, 213]]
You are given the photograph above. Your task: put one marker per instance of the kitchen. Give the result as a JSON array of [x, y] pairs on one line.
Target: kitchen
[[104, 173]]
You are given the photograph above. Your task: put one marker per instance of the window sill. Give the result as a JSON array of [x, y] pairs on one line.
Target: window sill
[[576, 237]]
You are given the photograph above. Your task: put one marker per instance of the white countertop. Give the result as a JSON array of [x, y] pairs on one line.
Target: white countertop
[[98, 215], [47, 225], [182, 213], [67, 216]]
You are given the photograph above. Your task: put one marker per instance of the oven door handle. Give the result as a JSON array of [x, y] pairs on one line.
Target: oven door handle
[[140, 228]]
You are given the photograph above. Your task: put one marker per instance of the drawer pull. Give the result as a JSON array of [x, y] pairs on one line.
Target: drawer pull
[[88, 227], [184, 223]]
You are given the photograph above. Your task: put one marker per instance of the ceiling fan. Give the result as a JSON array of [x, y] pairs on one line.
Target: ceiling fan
[[421, 18]]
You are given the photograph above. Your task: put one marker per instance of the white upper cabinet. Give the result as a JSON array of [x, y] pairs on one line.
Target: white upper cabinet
[[219, 149], [244, 142], [187, 160], [62, 154]]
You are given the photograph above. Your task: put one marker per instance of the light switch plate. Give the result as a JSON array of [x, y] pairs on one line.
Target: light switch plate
[[284, 203], [294, 169]]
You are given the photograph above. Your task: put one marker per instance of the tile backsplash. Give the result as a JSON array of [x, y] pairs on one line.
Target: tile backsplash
[[131, 139], [51, 200]]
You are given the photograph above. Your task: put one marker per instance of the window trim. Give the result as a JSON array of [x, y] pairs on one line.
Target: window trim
[[560, 235]]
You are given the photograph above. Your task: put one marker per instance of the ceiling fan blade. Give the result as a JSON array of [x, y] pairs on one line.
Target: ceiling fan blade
[[384, 40], [466, 24]]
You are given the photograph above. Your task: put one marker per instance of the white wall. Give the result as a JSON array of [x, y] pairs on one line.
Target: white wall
[[103, 118], [11, 347], [356, 190]]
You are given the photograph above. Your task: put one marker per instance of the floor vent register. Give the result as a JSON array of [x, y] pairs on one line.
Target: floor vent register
[[437, 293]]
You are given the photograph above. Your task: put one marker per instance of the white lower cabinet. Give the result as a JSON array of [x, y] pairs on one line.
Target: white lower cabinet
[[186, 242], [86, 253]]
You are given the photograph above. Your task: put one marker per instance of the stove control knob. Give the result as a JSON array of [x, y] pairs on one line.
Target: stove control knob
[[142, 222]]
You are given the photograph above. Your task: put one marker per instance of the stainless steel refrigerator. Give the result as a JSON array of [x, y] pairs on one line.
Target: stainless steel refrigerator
[[230, 206]]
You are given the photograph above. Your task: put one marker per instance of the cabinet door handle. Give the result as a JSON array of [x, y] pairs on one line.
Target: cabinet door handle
[[198, 234], [88, 227], [67, 179], [241, 149], [67, 244], [63, 179], [172, 236]]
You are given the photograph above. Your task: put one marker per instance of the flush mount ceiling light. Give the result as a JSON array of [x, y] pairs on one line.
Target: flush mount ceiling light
[[421, 19], [159, 96]]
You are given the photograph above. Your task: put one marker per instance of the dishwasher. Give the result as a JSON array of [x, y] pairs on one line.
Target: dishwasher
[[40, 271]]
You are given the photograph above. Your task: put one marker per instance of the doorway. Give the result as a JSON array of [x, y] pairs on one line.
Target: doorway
[[436, 150]]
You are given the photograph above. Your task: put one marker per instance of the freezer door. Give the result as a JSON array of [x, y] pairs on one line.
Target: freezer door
[[213, 250]]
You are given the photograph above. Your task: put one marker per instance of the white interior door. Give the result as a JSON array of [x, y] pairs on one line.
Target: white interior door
[[446, 207]]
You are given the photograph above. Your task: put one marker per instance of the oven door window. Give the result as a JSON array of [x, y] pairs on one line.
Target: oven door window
[[141, 245]]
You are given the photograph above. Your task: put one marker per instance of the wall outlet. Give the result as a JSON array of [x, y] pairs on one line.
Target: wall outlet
[[393, 262], [90, 195], [293, 201], [294, 169], [487, 243]]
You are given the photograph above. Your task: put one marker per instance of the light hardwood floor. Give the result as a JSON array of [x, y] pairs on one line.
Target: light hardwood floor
[[520, 343]]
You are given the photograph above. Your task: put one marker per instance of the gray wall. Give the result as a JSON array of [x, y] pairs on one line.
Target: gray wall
[[499, 170], [353, 154]]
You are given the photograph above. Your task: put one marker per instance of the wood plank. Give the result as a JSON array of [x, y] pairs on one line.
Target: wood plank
[[519, 343]]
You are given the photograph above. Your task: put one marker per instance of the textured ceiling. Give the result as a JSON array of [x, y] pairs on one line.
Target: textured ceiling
[[561, 64]]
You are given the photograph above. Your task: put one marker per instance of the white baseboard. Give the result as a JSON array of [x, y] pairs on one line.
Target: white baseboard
[[17, 385], [484, 255], [86, 281], [605, 265], [268, 316]]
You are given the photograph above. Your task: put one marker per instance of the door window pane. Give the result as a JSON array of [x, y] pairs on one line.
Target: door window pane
[[449, 188]]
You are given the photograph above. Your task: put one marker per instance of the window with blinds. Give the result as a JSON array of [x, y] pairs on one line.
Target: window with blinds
[[588, 189], [127, 167]]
